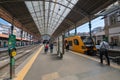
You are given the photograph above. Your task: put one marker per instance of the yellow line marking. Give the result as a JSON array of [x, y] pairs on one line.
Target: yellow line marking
[[85, 56], [23, 72], [115, 66], [97, 60], [51, 76]]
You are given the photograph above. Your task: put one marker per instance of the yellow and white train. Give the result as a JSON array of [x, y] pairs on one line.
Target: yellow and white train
[[82, 44]]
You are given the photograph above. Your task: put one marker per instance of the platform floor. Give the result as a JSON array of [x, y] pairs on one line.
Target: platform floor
[[71, 67]]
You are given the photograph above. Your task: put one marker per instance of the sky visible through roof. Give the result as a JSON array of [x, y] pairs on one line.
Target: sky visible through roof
[[98, 22]]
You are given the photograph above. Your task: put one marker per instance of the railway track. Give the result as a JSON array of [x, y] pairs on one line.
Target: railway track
[[22, 54], [5, 51], [5, 55], [113, 55]]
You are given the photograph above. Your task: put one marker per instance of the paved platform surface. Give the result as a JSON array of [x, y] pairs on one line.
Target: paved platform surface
[[71, 67]]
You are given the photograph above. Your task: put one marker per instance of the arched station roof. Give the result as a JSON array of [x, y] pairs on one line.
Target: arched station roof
[[52, 17]]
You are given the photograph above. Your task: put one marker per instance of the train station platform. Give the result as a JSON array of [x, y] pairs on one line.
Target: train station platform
[[73, 66]]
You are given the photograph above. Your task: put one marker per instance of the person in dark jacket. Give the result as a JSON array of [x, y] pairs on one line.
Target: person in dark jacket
[[46, 48], [104, 46], [67, 47], [51, 48]]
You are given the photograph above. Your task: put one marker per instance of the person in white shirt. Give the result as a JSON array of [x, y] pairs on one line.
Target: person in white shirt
[[104, 46]]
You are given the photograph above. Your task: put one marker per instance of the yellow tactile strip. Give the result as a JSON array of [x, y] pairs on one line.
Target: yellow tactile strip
[[25, 69], [51, 76]]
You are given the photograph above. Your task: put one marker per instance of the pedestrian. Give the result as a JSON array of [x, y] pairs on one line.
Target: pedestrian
[[104, 46], [46, 48], [67, 47], [51, 47]]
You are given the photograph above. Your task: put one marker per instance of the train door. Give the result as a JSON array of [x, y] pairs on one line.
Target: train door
[[70, 45], [76, 45]]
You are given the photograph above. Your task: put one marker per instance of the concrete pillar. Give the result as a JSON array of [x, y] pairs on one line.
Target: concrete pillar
[[21, 36], [58, 46]]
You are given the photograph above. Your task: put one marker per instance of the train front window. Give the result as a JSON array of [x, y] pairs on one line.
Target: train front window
[[87, 41]]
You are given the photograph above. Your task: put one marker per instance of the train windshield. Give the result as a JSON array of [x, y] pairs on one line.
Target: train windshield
[[87, 40]]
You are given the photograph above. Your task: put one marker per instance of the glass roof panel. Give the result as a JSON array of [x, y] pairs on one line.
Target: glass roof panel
[[35, 6], [52, 6], [49, 15], [66, 12], [35, 3], [46, 5], [70, 6], [74, 1], [64, 2], [38, 14], [29, 6], [41, 6]]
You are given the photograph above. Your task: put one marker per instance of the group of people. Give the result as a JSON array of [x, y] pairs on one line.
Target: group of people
[[47, 46], [104, 46]]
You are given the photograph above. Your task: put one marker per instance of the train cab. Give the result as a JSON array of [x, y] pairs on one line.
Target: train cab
[[89, 44], [80, 44]]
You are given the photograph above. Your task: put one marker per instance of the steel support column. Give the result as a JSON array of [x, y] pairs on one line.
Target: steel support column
[[12, 59], [68, 32], [63, 36], [90, 27], [21, 36], [58, 46], [75, 30]]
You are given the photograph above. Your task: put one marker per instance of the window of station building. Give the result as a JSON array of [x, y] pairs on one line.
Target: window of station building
[[118, 16], [113, 19], [76, 42], [70, 43]]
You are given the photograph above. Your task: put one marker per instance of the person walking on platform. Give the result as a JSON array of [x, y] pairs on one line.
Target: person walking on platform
[[46, 48], [104, 46], [51, 47], [67, 47]]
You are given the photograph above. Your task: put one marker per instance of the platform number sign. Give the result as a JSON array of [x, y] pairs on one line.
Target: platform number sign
[[12, 41], [11, 45]]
